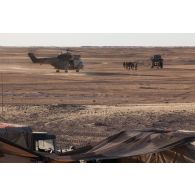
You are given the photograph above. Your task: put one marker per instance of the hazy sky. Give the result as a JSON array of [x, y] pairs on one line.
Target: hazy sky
[[97, 39]]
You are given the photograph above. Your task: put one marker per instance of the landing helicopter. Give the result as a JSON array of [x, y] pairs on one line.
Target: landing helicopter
[[64, 61]]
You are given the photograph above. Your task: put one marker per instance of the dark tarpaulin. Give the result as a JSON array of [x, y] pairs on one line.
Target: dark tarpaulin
[[9, 148], [18, 134], [134, 143], [144, 145]]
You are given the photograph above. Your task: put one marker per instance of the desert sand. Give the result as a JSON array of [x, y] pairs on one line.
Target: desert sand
[[102, 99]]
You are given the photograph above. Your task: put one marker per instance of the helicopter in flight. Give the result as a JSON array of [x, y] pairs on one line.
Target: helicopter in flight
[[64, 61]]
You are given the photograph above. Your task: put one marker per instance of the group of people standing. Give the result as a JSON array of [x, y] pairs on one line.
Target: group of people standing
[[130, 65]]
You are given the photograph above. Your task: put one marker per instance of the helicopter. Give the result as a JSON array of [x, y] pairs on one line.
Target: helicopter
[[64, 61]]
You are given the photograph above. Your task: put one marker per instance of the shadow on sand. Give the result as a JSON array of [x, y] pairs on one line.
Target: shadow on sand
[[121, 74], [107, 74]]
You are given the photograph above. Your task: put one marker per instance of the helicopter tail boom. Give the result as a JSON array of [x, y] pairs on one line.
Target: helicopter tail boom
[[33, 57]]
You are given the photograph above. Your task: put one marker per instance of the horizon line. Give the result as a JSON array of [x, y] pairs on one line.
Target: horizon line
[[83, 46]]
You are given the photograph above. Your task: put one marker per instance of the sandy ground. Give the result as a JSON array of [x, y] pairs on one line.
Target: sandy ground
[[102, 99], [80, 125], [103, 81]]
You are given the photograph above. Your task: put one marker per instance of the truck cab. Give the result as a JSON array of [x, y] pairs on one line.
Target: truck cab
[[157, 61]]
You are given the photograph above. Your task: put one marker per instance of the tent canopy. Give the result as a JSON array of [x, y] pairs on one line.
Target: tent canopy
[[126, 144], [136, 143], [18, 134]]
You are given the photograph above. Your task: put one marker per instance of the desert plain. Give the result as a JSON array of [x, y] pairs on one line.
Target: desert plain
[[103, 98]]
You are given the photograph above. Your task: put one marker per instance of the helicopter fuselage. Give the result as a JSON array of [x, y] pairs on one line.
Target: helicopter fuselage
[[64, 62]]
